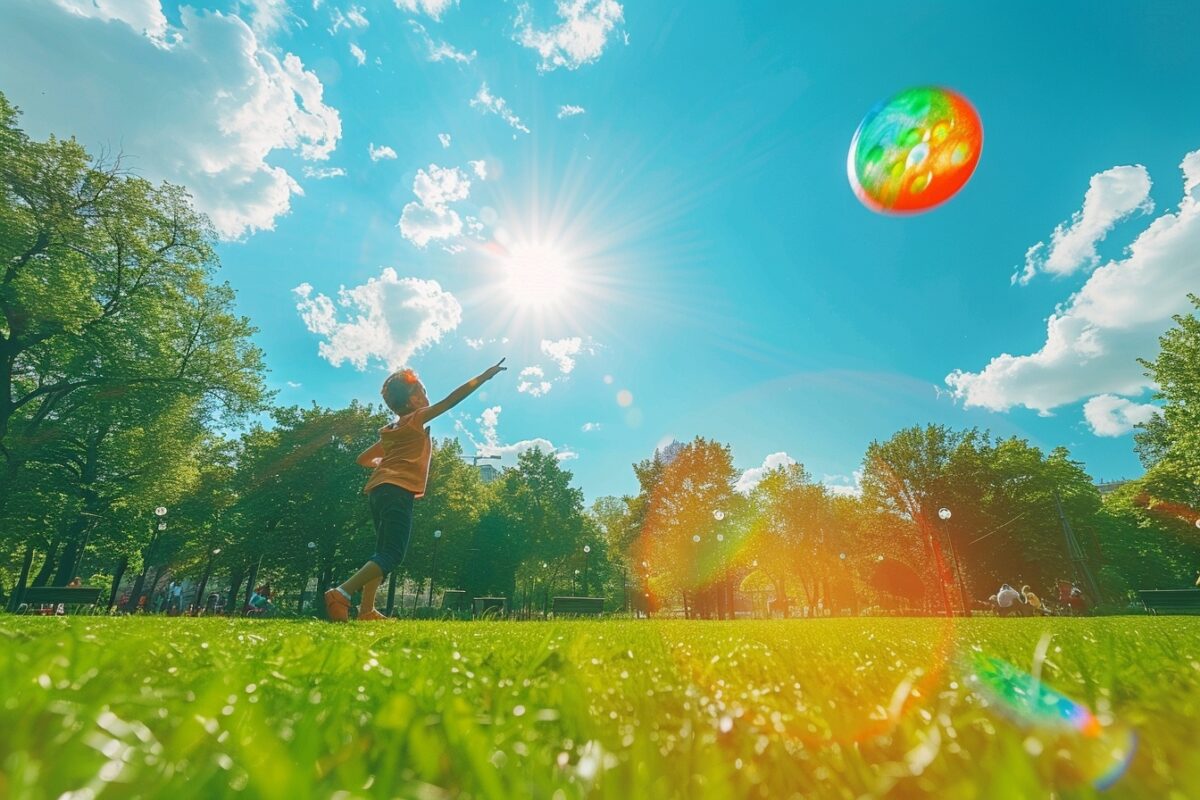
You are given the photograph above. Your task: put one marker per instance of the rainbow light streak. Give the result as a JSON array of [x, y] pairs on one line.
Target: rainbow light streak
[[914, 151], [1031, 704]]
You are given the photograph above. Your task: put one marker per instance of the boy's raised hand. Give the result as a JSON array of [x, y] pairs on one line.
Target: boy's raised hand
[[494, 370]]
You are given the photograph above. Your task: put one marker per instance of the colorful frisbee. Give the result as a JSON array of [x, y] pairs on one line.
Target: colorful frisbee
[[914, 151]]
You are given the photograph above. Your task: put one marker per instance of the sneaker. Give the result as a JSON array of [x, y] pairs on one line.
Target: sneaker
[[337, 607], [371, 615]]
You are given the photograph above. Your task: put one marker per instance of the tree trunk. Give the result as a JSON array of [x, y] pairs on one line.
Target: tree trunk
[[116, 584], [47, 565], [250, 585], [19, 588], [235, 583], [781, 598]]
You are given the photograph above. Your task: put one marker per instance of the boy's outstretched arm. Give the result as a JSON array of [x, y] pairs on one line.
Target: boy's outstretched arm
[[460, 394], [368, 457]]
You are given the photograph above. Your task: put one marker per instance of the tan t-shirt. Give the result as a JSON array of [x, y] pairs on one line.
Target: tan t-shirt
[[406, 451]]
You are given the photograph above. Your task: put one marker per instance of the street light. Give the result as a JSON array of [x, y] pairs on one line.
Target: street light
[[587, 557], [433, 571], [945, 514], [718, 515], [159, 512]]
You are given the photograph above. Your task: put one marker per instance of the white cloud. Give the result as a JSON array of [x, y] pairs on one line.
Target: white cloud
[[322, 173], [479, 168], [1109, 415], [533, 382], [1094, 339], [354, 18], [845, 485], [381, 152], [579, 39], [294, 385], [751, 477], [359, 54], [440, 50], [1112, 196], [588, 427], [203, 105], [562, 352], [444, 138], [570, 111], [430, 8], [487, 101], [430, 216], [389, 319], [489, 443], [474, 344], [266, 16]]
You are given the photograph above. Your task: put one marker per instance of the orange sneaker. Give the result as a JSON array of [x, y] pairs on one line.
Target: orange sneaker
[[337, 607], [371, 615]]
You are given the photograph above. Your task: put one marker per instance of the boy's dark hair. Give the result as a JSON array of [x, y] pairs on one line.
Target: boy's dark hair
[[398, 389]]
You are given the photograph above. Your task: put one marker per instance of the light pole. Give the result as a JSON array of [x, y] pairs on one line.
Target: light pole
[[132, 605], [216, 551], [433, 571], [587, 557], [312, 557], [944, 515]]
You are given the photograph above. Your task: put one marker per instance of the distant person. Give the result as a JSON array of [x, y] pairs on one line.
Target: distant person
[[176, 605], [401, 462], [1008, 599], [75, 583], [1034, 602]]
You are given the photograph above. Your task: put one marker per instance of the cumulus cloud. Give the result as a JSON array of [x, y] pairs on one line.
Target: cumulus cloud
[[570, 111], [1112, 196], [359, 54], [204, 104], [430, 217], [1109, 415], [489, 103], [1094, 339], [751, 477], [489, 443], [444, 138], [845, 485], [388, 319], [479, 168], [440, 50], [266, 16], [323, 173], [533, 382], [579, 39], [563, 352], [381, 152], [430, 8], [588, 427]]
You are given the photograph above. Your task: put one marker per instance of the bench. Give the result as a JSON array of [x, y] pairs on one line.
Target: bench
[[37, 596], [577, 606], [490, 606], [1171, 601]]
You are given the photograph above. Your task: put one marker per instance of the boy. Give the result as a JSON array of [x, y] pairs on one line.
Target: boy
[[401, 462]]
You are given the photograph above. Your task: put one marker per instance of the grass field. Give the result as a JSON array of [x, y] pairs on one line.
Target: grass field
[[186, 708]]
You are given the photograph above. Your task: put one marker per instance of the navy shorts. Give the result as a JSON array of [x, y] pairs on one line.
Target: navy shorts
[[392, 512]]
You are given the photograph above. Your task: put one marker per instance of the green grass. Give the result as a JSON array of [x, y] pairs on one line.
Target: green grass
[[851, 708]]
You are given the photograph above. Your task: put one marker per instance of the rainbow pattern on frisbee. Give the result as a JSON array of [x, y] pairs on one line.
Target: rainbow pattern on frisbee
[[914, 151]]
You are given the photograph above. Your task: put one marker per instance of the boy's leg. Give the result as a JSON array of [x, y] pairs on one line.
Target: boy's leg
[[368, 595], [370, 572]]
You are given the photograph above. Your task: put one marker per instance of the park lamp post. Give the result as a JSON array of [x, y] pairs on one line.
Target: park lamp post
[[159, 512], [944, 515], [216, 551], [312, 548], [587, 557], [433, 570]]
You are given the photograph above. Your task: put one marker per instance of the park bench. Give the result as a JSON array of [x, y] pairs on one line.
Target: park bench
[[577, 606], [35, 597], [1171, 601], [455, 604], [490, 606]]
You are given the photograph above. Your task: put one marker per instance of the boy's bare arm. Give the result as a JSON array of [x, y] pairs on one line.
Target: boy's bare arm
[[368, 457], [460, 394]]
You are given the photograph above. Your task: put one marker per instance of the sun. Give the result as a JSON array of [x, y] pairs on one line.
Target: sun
[[537, 276]]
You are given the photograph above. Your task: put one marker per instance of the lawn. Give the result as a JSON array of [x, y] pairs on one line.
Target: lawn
[[187, 708]]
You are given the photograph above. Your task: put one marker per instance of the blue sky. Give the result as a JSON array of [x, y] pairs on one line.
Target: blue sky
[[692, 228]]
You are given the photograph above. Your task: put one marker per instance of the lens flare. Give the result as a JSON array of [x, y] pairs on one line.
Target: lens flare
[[1101, 752]]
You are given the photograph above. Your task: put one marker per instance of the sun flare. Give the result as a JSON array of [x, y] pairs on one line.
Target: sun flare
[[537, 276]]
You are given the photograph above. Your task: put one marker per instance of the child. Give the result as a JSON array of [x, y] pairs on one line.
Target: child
[[401, 462]]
